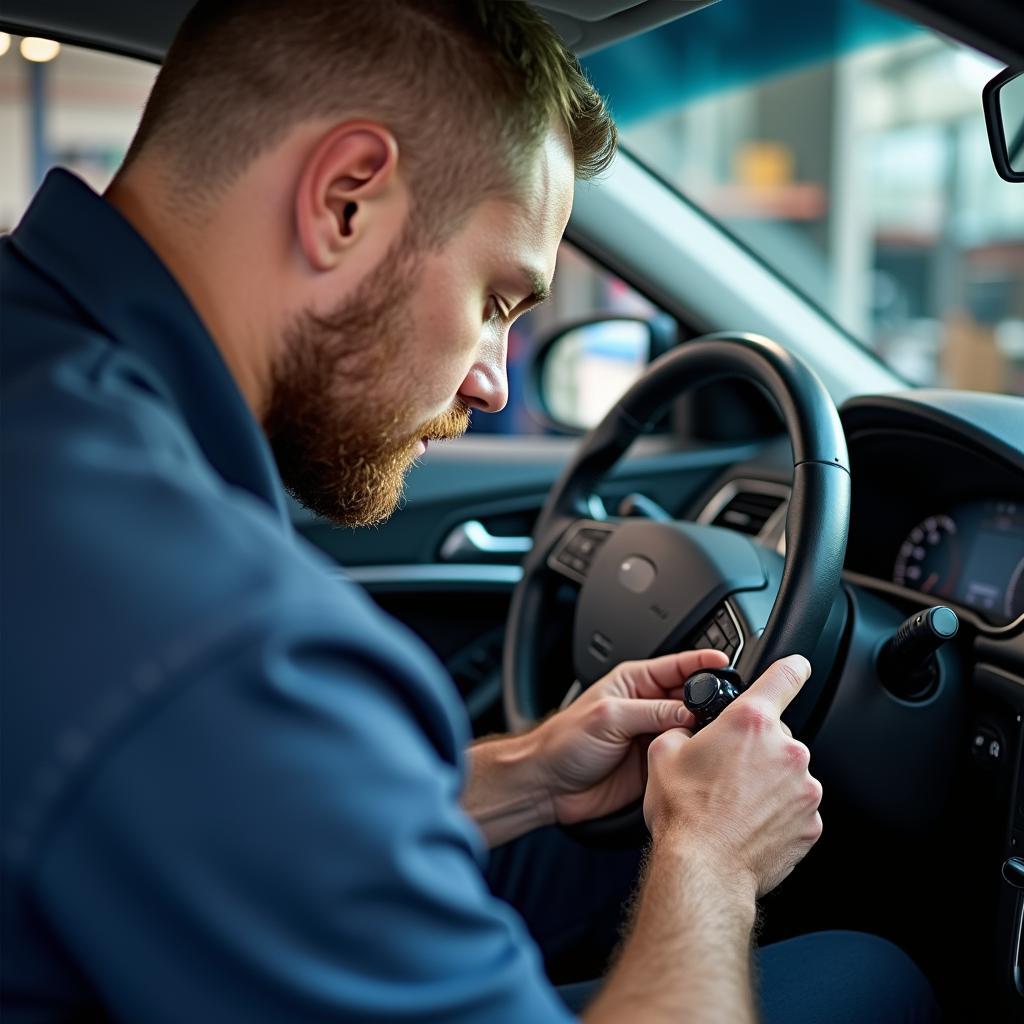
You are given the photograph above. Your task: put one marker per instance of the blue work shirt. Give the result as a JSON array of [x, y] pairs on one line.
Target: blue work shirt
[[230, 781]]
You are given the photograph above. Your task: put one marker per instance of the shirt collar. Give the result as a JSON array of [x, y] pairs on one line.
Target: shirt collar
[[83, 244]]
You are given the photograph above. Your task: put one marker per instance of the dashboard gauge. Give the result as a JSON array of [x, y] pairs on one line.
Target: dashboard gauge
[[974, 556], [929, 559], [995, 561]]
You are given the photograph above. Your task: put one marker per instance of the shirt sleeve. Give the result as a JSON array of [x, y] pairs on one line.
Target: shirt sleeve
[[277, 837]]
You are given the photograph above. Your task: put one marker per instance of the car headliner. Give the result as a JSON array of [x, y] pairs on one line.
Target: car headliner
[[145, 30]]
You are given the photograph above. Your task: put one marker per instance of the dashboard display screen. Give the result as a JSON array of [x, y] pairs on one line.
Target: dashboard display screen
[[973, 555]]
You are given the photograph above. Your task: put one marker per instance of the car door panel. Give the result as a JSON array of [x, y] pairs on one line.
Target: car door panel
[[503, 482]]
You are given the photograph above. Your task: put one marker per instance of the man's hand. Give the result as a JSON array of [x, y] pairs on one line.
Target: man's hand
[[592, 756], [731, 811], [587, 760], [739, 792]]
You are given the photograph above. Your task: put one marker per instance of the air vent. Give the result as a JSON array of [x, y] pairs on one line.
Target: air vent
[[746, 506]]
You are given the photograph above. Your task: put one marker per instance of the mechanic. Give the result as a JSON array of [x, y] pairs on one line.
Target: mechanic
[[234, 790]]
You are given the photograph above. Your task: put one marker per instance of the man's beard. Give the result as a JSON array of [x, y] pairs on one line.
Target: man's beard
[[335, 420]]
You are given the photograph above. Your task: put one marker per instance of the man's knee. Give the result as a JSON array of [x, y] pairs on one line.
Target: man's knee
[[843, 977]]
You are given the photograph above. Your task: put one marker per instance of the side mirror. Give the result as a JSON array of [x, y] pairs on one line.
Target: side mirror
[[1003, 100], [581, 370]]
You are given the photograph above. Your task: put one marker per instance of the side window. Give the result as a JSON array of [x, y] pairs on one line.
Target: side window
[[63, 105]]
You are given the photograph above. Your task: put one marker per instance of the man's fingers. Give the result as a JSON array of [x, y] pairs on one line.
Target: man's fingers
[[656, 676], [781, 682], [667, 744], [624, 718]]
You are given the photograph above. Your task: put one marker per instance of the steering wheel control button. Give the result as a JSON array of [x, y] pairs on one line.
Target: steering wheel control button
[[724, 621], [708, 694], [720, 632], [716, 637], [579, 565], [600, 646], [637, 574], [578, 551]]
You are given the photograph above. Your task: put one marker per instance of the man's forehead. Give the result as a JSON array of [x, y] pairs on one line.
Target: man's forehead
[[536, 221], [522, 232], [551, 181], [520, 237]]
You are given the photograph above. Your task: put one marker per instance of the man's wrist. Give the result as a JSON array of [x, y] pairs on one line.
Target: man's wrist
[[518, 763], [721, 879], [506, 791]]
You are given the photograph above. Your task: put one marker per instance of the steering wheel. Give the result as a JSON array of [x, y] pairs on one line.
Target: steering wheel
[[647, 587]]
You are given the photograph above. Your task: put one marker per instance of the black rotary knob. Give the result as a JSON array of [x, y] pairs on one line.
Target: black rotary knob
[[707, 694]]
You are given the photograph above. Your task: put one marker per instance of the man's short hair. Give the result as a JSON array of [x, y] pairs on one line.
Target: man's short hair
[[469, 88]]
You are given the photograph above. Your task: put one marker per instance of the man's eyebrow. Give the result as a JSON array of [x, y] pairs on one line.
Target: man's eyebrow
[[538, 285]]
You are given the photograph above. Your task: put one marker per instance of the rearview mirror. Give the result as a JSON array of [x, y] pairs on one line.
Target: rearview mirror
[[1003, 100], [581, 371]]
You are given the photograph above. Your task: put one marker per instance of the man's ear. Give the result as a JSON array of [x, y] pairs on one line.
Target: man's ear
[[347, 181]]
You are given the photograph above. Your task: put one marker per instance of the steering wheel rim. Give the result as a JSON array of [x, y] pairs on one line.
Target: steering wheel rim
[[816, 526]]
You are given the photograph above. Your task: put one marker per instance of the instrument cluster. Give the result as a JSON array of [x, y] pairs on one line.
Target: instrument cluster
[[971, 554]]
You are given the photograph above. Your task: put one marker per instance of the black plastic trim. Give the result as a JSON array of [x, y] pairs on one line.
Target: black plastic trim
[[994, 124]]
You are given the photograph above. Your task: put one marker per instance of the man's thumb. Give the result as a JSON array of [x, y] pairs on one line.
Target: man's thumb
[[782, 681]]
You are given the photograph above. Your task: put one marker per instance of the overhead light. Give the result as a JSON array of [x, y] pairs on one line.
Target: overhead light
[[5, 42], [39, 50]]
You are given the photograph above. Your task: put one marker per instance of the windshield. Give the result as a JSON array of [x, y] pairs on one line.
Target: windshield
[[847, 148]]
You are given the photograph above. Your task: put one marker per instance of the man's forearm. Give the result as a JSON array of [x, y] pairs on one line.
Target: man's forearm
[[503, 791], [687, 956]]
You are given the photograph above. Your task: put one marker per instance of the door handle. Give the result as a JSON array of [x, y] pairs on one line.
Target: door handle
[[471, 541]]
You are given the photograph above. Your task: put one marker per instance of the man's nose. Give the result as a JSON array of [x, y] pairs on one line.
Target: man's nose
[[486, 385]]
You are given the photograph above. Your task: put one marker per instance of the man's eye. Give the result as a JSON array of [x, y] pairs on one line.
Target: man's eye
[[495, 309]]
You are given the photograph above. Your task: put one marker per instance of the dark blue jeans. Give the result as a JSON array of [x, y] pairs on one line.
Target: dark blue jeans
[[572, 896]]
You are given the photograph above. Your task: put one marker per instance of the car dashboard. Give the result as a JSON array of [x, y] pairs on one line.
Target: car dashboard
[[937, 511], [937, 518], [938, 504], [972, 555]]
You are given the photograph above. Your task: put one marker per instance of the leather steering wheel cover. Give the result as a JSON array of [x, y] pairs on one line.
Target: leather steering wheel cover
[[816, 526]]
